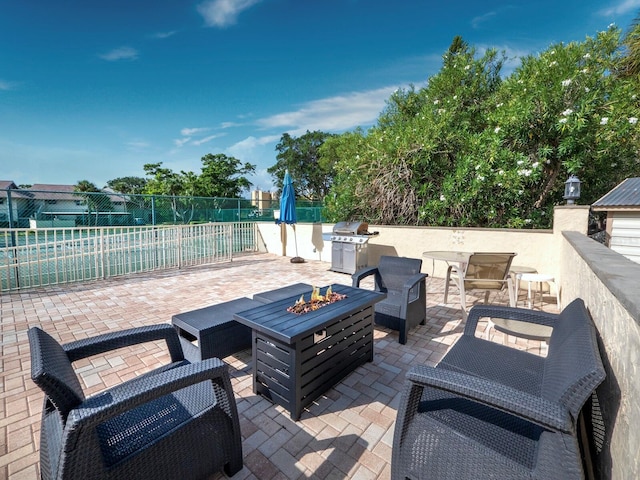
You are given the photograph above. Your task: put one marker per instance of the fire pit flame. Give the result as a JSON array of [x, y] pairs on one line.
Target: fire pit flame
[[316, 301]]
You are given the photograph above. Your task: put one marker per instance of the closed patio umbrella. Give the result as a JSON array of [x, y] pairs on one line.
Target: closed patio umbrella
[[288, 214]]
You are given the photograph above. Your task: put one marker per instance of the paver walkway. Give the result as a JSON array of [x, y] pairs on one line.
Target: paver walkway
[[347, 433]]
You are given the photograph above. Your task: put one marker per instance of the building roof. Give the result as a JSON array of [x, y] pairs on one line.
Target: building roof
[[48, 191], [626, 196], [10, 185], [58, 192]]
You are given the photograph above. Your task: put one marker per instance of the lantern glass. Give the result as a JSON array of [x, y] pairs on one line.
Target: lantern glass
[[572, 189]]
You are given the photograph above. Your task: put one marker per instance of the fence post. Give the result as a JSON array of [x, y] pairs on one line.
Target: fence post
[[10, 209], [153, 209], [13, 250], [179, 229]]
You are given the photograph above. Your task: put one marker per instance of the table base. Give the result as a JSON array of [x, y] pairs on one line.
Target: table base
[[293, 376]]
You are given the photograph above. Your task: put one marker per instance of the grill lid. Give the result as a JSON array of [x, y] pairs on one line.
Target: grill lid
[[350, 228]]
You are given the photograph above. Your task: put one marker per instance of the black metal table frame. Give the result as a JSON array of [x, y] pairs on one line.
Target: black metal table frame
[[296, 358]]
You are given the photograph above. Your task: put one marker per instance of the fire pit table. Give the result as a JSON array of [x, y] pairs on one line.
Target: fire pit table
[[297, 357]]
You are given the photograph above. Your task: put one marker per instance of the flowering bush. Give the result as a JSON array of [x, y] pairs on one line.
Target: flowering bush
[[475, 149]]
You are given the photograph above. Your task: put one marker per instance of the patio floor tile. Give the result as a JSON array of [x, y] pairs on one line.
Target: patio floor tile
[[346, 433]]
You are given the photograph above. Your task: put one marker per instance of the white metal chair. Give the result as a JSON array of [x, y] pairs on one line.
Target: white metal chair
[[485, 271]]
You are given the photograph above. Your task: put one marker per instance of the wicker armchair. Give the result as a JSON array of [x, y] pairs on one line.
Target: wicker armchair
[[491, 411], [178, 421], [406, 304]]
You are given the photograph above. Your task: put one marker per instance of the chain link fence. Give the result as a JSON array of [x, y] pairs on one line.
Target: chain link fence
[[67, 209], [56, 237]]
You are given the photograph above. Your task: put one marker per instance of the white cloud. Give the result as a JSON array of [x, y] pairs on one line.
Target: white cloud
[[205, 139], [478, 21], [163, 35], [221, 13], [334, 113], [122, 53], [187, 132], [179, 142], [230, 124], [4, 85], [621, 8]]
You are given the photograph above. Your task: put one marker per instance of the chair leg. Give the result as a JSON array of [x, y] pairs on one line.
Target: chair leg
[[463, 298], [487, 330], [402, 335], [446, 284], [513, 299]]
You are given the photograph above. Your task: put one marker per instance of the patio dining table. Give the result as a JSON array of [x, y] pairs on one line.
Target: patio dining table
[[459, 258]]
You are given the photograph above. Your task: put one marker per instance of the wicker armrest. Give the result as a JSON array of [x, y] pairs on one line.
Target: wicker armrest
[[361, 274], [141, 390], [529, 407], [414, 280], [410, 284], [125, 338], [509, 313]]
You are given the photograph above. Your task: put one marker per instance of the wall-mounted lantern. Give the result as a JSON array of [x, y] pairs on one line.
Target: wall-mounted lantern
[[572, 189]]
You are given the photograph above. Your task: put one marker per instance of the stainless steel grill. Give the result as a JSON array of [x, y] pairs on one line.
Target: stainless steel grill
[[349, 246]]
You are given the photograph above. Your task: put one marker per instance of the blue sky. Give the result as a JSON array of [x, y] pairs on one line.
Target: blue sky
[[93, 89]]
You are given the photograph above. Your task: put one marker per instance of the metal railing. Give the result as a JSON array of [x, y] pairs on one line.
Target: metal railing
[[51, 256]]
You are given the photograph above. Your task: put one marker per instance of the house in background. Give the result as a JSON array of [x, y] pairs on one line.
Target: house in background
[[622, 205], [48, 205], [13, 203]]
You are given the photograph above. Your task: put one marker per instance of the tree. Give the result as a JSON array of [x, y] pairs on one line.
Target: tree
[[163, 181], [223, 176], [95, 200], [390, 173], [630, 62], [129, 185], [312, 173]]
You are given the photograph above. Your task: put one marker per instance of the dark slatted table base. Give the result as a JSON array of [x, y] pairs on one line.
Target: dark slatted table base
[[295, 375]]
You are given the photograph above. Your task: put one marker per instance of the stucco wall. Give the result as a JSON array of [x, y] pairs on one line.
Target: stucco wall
[[539, 249], [609, 284]]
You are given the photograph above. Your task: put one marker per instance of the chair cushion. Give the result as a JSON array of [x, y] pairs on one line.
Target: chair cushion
[[507, 365], [52, 371], [136, 429], [390, 305]]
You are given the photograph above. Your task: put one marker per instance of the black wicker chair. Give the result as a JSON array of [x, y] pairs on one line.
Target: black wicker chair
[[491, 411], [178, 421], [406, 304]]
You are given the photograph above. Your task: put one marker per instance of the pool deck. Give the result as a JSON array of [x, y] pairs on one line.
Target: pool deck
[[346, 433]]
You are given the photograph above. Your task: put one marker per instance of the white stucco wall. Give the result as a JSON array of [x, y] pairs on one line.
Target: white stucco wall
[[539, 249]]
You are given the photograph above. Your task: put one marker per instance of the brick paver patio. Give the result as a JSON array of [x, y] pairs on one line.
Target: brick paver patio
[[346, 433]]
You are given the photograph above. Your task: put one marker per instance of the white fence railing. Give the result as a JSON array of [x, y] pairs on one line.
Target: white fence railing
[[40, 257]]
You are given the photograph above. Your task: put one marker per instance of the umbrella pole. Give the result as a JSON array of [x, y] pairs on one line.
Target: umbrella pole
[[283, 238], [296, 259]]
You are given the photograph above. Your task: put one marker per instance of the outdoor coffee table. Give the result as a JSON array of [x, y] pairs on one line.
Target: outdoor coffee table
[[296, 358], [282, 293], [212, 332]]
